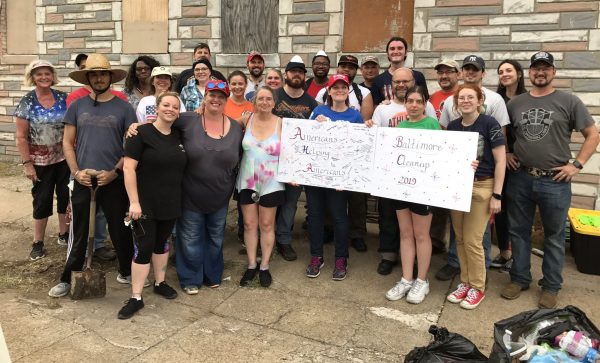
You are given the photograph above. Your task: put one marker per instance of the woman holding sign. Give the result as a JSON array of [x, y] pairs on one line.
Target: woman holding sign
[[336, 109], [487, 194], [414, 219]]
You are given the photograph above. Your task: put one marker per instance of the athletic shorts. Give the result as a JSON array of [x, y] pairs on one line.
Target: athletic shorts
[[249, 196], [420, 209]]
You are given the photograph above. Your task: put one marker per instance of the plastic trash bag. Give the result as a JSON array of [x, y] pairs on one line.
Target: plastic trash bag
[[446, 347], [534, 325]]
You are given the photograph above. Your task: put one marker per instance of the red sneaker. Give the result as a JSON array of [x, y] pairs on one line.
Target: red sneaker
[[459, 294], [473, 299]]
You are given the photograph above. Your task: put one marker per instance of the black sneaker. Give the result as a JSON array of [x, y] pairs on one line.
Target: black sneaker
[[164, 290], [132, 306], [264, 276], [248, 276], [385, 267], [447, 273], [359, 244], [37, 251], [499, 261], [287, 252]]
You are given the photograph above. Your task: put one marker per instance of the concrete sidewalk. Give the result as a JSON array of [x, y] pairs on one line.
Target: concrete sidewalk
[[297, 319]]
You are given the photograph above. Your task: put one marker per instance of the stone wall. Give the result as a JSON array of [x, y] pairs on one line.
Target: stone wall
[[494, 29]]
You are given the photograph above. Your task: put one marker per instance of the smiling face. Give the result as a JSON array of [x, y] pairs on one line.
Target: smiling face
[[264, 101], [396, 52], [161, 83], [320, 67], [348, 69], [472, 75], [402, 80], [215, 101], [237, 86], [339, 91], [273, 80], [369, 71], [256, 67], [508, 75], [42, 77], [167, 108], [415, 106], [468, 101], [447, 77], [201, 73], [541, 74]]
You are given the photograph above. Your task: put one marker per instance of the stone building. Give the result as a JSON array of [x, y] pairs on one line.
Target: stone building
[[169, 29]]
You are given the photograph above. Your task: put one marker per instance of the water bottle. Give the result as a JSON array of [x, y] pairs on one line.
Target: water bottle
[[578, 345], [507, 340]]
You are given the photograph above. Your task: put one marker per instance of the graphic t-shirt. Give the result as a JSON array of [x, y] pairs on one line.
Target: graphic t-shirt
[[438, 99], [146, 110], [286, 106], [428, 123], [351, 115], [542, 127], [161, 161], [392, 114], [45, 127], [490, 136]]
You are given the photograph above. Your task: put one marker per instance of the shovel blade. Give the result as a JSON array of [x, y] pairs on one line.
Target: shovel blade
[[88, 284]]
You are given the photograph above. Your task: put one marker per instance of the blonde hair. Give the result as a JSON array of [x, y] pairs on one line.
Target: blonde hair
[[165, 94], [31, 67]]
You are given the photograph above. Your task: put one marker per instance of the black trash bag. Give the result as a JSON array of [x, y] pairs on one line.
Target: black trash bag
[[570, 318], [446, 347]]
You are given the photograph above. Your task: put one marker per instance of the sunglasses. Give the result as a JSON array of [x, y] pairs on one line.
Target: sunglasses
[[218, 85]]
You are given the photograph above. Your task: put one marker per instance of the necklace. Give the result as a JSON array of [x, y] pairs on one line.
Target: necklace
[[222, 127]]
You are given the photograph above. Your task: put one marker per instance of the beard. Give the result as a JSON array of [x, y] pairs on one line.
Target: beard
[[256, 72], [294, 82]]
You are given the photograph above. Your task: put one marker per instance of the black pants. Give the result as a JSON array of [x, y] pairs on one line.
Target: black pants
[[389, 232], [357, 214], [155, 239], [112, 198]]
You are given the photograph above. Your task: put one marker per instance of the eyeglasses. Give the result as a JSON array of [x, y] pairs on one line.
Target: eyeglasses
[[142, 69], [402, 81], [466, 98], [203, 69], [219, 85], [447, 72]]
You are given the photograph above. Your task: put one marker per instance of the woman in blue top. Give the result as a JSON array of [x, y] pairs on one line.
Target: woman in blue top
[[318, 198]]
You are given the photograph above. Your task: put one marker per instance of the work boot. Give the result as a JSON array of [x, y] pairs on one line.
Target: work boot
[[512, 291], [548, 300]]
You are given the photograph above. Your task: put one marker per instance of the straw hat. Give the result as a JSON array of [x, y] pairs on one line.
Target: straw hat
[[97, 62]]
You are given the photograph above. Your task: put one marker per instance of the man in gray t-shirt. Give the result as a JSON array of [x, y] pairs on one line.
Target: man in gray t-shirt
[[540, 174], [93, 144]]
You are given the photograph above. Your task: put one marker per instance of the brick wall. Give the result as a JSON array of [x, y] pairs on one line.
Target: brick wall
[[494, 29]]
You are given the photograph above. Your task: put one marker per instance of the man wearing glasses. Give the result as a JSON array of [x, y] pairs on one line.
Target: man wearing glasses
[[448, 74], [201, 51]]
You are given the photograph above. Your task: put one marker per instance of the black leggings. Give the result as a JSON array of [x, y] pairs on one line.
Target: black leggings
[[154, 239]]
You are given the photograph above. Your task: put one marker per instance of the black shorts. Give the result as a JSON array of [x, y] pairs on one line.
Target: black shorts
[[420, 209], [53, 178], [270, 200]]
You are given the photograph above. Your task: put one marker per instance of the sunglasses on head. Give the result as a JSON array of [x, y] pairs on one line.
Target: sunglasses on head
[[219, 85]]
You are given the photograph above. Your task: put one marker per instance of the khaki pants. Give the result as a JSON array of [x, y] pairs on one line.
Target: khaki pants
[[469, 229]]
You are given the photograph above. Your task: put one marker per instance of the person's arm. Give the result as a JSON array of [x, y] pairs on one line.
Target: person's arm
[[499, 153], [129, 170], [366, 109], [568, 171], [22, 140], [69, 139]]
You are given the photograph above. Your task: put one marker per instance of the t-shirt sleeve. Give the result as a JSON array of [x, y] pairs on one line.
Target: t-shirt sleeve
[[495, 133], [134, 146], [453, 126], [430, 110], [357, 118], [499, 111], [445, 116], [22, 110], [316, 112], [130, 116], [140, 113], [580, 114], [181, 106], [378, 117], [319, 98], [71, 114]]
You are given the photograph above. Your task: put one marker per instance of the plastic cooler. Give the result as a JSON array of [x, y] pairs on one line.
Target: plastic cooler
[[585, 242]]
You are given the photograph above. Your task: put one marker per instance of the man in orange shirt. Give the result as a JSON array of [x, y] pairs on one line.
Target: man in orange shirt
[[448, 74]]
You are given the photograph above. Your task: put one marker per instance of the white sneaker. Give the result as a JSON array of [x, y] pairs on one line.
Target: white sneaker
[[127, 280], [60, 290], [417, 293], [397, 292]]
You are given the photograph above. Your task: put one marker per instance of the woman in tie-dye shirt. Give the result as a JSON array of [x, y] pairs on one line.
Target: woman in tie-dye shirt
[[39, 136]]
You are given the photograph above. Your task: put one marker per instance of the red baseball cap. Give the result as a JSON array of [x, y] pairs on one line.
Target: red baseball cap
[[338, 78], [254, 54], [217, 86]]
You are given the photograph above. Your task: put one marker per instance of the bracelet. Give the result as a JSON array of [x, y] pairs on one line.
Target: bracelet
[[26, 162], [75, 175]]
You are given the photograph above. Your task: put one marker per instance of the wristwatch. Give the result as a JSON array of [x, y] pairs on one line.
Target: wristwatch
[[577, 164], [497, 196]]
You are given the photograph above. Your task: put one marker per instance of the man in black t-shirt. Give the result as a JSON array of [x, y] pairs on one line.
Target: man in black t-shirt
[[292, 102]]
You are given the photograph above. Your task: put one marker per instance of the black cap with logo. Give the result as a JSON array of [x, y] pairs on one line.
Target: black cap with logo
[[474, 60], [542, 57]]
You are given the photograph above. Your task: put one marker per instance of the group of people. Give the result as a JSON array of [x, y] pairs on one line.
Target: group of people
[[176, 171]]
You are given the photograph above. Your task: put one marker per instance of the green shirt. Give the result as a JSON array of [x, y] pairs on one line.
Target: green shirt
[[428, 123]]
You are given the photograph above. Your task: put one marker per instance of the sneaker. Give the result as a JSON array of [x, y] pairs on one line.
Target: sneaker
[[132, 306], [164, 290], [340, 271], [105, 254], [459, 294], [385, 267], [264, 276], [447, 273], [473, 299], [248, 276], [63, 239], [417, 293], [507, 266], [287, 252], [359, 244], [399, 290], [499, 261], [315, 266], [37, 251], [127, 280], [191, 290], [60, 290]]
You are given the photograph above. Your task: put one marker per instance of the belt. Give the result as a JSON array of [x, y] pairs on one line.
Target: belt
[[482, 178], [537, 172]]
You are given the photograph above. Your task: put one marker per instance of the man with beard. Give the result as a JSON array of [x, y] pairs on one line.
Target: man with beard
[[448, 74], [97, 124], [541, 170], [256, 66], [369, 69], [396, 50], [390, 115], [201, 51], [293, 102], [320, 68]]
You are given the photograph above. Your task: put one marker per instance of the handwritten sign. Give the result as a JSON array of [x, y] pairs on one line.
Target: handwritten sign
[[425, 166], [327, 154]]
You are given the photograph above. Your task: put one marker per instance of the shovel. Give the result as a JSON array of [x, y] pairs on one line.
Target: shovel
[[89, 283]]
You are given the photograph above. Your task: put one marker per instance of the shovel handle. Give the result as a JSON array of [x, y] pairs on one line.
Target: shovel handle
[[92, 221]]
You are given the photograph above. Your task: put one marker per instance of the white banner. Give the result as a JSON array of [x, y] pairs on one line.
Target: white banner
[[425, 166], [327, 154]]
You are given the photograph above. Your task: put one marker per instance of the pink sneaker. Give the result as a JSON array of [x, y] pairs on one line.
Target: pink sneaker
[[459, 294], [473, 299]]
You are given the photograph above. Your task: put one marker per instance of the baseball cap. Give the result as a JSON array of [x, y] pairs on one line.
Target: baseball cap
[[254, 54], [338, 78], [161, 70], [542, 57], [41, 63], [370, 59], [296, 62], [348, 59], [450, 63], [474, 60], [217, 86]]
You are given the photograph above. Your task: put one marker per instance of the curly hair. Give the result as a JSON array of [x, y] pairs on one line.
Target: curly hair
[[132, 81]]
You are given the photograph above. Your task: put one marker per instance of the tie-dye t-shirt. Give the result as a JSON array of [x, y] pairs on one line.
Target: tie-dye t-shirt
[[45, 127]]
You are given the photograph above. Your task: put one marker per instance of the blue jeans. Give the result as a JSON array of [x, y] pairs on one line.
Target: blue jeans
[[487, 246], [336, 202], [199, 241], [100, 233], [286, 214], [524, 193]]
